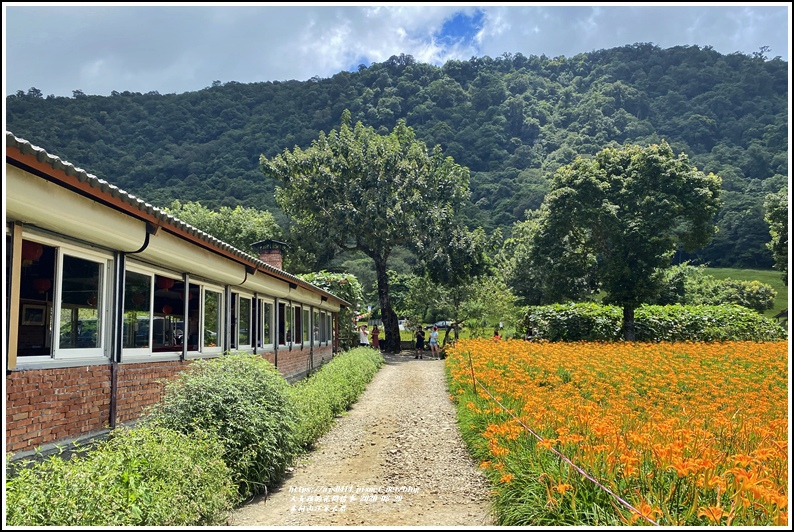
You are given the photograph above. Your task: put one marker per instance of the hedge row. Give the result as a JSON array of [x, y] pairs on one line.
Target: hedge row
[[652, 323], [226, 429], [326, 394]]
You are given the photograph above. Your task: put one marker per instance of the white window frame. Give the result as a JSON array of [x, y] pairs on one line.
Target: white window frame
[[105, 259], [329, 336], [138, 352], [297, 313], [306, 324], [316, 334], [322, 328], [236, 312], [132, 354], [218, 348], [261, 323], [289, 324]]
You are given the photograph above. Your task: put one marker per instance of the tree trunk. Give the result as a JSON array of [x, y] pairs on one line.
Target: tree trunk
[[628, 323], [390, 326]]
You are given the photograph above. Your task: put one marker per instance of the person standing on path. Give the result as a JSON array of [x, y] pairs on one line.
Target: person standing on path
[[434, 342], [375, 335], [363, 335], [420, 342]]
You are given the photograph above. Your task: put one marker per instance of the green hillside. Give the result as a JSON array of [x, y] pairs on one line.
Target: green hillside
[[512, 120]]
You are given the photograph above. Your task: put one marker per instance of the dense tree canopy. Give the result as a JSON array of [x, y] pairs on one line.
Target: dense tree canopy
[[512, 120], [238, 226], [371, 193], [613, 223]]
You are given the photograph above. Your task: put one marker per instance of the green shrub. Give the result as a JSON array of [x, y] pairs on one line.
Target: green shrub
[[331, 390], [693, 285], [242, 399], [652, 323], [573, 322], [704, 323], [751, 294], [139, 477]]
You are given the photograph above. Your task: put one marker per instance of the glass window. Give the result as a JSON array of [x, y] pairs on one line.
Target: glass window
[[282, 323], [193, 317], [154, 314], [288, 324], [297, 325], [62, 301], [80, 318], [316, 327], [266, 323], [306, 326], [213, 323], [244, 322], [168, 315], [241, 321], [137, 310], [329, 330], [36, 294]]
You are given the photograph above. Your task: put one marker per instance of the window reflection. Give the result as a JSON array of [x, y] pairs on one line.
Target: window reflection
[[80, 323]]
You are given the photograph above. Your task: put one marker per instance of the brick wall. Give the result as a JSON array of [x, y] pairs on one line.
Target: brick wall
[[296, 363], [53, 405], [141, 385], [272, 257], [50, 405]]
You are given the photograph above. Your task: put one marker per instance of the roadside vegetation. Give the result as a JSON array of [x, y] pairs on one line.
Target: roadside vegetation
[[225, 429]]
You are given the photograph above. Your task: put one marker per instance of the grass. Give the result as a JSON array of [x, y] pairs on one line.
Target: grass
[[770, 277]]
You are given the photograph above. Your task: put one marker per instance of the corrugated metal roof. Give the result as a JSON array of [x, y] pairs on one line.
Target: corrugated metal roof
[[68, 168]]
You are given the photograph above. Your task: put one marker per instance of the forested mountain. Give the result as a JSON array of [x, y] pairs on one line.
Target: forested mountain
[[512, 120]]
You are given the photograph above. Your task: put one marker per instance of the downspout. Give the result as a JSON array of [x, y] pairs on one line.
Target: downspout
[[311, 337], [186, 299], [335, 322], [118, 321], [117, 340], [275, 331], [255, 323], [227, 309]]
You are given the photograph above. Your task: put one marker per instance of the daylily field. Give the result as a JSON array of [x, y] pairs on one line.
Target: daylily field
[[627, 433]]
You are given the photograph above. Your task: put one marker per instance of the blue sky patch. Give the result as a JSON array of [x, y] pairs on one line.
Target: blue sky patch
[[461, 28]]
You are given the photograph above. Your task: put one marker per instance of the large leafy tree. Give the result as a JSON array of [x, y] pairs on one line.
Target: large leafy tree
[[776, 206], [613, 223], [370, 192]]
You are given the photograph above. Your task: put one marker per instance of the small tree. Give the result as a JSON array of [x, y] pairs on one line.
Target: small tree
[[345, 286], [614, 222], [490, 301], [776, 206]]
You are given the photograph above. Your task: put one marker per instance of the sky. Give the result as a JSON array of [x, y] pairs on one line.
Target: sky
[[175, 48]]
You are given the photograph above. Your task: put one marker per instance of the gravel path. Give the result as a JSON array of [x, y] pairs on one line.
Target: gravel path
[[395, 459]]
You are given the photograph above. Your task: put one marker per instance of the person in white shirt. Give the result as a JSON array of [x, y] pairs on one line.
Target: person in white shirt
[[363, 335], [434, 341]]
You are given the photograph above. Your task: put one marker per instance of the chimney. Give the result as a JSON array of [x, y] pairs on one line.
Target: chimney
[[270, 252]]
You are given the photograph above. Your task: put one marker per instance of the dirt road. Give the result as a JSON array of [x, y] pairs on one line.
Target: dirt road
[[395, 459]]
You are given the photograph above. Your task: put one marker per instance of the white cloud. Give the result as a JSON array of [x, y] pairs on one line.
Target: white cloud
[[179, 48]]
